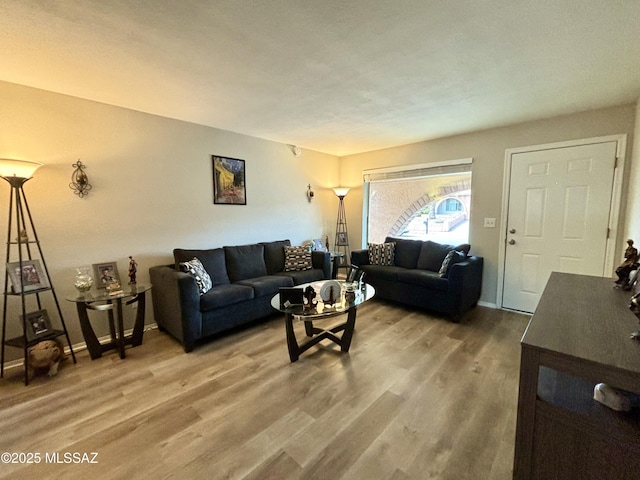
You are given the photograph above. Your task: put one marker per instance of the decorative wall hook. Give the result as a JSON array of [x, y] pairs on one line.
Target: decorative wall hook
[[79, 180], [310, 193], [297, 151]]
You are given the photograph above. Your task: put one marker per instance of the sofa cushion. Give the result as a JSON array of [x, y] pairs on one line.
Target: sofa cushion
[[195, 268], [304, 276], [245, 261], [267, 285], [407, 252], [212, 259], [424, 278], [464, 248], [223, 295], [274, 255], [450, 259], [382, 253], [432, 255], [384, 273], [297, 258]]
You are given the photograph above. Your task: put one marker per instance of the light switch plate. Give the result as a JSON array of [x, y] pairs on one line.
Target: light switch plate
[[489, 223]]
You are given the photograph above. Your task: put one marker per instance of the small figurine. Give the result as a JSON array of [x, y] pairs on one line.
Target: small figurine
[[326, 242], [133, 268], [630, 263], [309, 295], [23, 237]]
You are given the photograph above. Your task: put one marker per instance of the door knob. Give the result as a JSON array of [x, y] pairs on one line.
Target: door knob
[[513, 230], [512, 242]]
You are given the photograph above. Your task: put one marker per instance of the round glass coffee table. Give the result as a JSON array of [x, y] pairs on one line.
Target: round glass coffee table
[[321, 311]]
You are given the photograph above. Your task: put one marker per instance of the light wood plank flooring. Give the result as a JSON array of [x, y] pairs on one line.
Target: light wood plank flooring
[[417, 397]]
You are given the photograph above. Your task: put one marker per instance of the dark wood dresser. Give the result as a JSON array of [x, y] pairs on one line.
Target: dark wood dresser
[[577, 338]]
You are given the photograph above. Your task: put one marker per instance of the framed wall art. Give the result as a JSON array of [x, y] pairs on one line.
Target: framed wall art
[[37, 325], [27, 277], [229, 186], [105, 273]]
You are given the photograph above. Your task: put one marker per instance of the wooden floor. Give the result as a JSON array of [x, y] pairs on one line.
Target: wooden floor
[[417, 397]]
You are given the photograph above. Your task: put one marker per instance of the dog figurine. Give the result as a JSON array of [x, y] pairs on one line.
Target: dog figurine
[[45, 355]]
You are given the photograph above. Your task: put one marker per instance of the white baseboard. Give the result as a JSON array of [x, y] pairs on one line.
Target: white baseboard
[[488, 304], [78, 347]]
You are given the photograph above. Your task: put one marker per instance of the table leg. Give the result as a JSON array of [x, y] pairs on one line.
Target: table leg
[[308, 328], [292, 344], [112, 325], [138, 327], [93, 345], [345, 342], [120, 327]]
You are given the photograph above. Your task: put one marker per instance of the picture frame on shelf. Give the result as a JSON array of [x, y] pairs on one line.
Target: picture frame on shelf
[[105, 273], [37, 325], [318, 245], [343, 240], [27, 276], [229, 186]]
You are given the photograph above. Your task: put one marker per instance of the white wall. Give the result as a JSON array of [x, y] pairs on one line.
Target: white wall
[[488, 151], [152, 188]]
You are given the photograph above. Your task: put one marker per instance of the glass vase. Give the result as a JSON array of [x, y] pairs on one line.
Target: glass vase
[[84, 279]]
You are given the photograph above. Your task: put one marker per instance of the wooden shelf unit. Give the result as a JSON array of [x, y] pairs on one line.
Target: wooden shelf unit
[[578, 337]]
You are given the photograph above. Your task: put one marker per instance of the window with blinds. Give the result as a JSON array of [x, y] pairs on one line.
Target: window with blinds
[[426, 202]]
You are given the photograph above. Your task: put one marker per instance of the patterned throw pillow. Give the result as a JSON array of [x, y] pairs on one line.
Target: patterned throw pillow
[[297, 258], [452, 258], [382, 253], [195, 268]]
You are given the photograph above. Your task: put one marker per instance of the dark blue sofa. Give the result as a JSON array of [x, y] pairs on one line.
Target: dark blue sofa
[[414, 278], [244, 279]]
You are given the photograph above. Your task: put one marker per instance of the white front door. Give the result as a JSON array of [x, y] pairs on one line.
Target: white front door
[[558, 218]]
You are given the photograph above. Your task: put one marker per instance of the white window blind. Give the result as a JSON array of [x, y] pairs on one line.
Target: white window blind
[[408, 172]]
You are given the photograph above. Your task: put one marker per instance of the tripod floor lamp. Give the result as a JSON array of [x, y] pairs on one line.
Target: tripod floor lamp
[[341, 244], [27, 270]]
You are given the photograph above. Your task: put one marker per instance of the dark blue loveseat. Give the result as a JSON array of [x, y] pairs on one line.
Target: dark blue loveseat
[[417, 277]]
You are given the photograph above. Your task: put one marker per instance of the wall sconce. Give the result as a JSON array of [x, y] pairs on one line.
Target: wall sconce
[[310, 193], [79, 180]]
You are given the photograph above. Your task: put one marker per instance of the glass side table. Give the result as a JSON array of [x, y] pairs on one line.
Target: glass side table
[[102, 300]]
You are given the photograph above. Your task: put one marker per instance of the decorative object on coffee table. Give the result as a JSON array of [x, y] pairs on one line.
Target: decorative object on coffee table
[[228, 181], [309, 295], [330, 292]]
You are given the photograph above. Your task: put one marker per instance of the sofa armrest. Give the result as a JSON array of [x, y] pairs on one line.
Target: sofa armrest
[[465, 281], [360, 257], [176, 304], [322, 260]]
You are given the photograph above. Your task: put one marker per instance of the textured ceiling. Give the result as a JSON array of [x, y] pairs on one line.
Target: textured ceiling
[[337, 76]]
